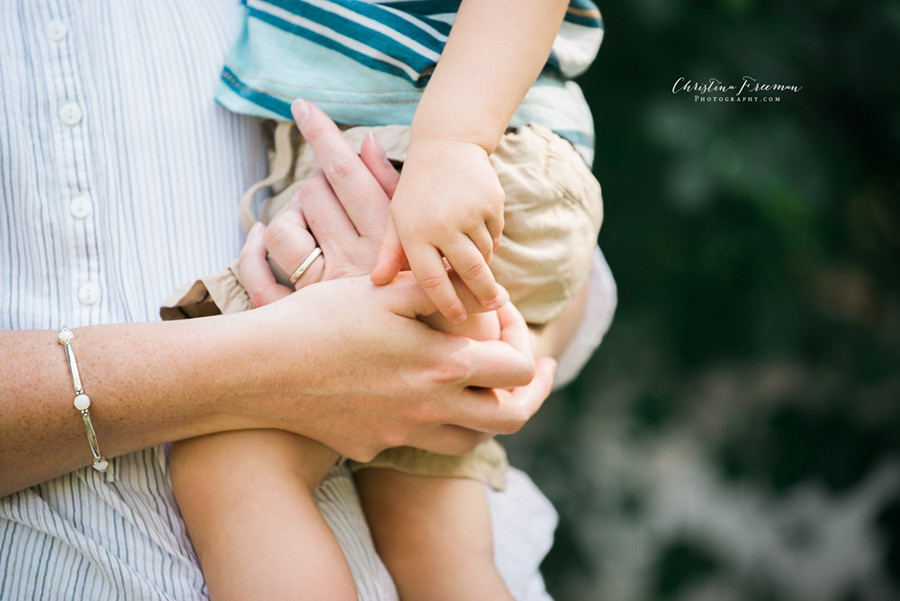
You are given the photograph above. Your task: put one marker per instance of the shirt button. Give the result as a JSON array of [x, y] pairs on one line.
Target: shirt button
[[57, 30], [80, 207], [70, 113], [89, 293]]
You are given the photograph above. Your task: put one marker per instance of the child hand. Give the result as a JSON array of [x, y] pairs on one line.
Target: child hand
[[448, 204]]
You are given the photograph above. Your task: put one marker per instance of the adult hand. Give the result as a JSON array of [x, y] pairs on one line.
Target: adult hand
[[358, 372], [344, 204]]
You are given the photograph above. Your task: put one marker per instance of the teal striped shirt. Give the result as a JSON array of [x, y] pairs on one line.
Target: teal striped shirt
[[366, 62]]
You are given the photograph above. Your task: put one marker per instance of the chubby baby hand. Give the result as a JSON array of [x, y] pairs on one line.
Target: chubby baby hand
[[448, 206]]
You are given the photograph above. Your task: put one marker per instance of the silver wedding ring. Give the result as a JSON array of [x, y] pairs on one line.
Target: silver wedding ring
[[310, 258]]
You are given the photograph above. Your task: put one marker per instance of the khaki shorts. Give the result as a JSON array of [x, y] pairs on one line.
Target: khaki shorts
[[552, 216]]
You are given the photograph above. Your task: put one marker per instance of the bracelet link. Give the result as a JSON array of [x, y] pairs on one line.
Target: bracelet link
[[82, 401]]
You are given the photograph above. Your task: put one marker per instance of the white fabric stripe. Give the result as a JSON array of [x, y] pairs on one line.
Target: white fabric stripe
[[334, 35], [575, 48], [163, 167], [418, 23], [374, 25]]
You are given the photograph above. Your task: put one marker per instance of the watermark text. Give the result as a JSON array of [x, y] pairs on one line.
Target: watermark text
[[749, 89]]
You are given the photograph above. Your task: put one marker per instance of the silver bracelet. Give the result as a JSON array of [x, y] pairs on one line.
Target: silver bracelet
[[82, 401]]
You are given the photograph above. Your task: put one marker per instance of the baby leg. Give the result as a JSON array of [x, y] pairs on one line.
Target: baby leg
[[433, 534], [247, 500]]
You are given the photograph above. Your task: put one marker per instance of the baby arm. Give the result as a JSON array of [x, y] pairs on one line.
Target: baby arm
[[247, 500], [449, 203]]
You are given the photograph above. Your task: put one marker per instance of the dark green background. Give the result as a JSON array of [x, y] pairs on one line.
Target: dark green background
[[737, 435]]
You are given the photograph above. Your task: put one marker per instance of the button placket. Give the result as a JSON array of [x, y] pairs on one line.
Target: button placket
[[72, 143]]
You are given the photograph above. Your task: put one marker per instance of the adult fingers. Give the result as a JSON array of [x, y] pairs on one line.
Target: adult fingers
[[347, 252], [523, 402], [502, 411], [373, 156], [256, 276], [513, 328], [324, 213], [352, 182], [494, 364], [506, 363], [390, 256], [289, 244]]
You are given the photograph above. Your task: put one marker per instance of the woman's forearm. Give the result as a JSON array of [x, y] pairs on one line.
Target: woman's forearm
[[343, 362], [495, 52], [149, 383]]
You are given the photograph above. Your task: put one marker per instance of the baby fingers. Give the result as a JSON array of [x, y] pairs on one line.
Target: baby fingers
[[469, 264]]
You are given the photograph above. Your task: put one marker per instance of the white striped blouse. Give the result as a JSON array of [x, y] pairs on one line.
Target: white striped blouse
[[119, 180]]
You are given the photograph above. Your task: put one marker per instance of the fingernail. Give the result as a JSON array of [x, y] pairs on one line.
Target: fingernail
[[460, 317], [502, 294], [500, 299], [255, 229], [300, 111], [378, 148], [295, 200]]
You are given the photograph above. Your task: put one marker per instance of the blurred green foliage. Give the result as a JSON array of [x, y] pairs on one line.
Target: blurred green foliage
[[756, 248]]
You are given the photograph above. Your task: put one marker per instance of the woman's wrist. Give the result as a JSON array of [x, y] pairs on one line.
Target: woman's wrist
[[172, 380], [149, 383], [261, 343]]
